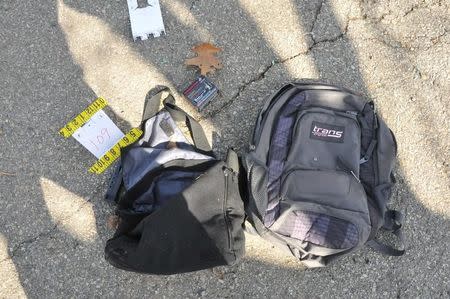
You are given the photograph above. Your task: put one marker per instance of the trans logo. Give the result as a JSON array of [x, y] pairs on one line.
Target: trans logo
[[327, 132]]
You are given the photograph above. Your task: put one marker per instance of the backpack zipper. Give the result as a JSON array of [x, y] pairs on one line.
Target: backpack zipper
[[262, 121], [352, 112], [375, 153], [346, 171], [343, 167]]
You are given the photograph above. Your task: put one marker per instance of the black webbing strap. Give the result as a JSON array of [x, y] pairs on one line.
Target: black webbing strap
[[369, 152], [392, 220], [385, 249], [393, 224], [369, 108], [114, 183], [151, 107], [197, 133]]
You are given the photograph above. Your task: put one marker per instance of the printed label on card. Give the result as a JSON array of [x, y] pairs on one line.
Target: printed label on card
[[98, 134]]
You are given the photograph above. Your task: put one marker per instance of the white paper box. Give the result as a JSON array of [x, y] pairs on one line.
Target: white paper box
[[147, 20]]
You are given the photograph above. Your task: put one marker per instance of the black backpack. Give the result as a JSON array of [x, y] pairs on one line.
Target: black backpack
[[179, 208], [319, 173]]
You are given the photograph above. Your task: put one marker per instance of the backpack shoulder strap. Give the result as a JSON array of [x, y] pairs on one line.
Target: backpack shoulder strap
[[393, 221]]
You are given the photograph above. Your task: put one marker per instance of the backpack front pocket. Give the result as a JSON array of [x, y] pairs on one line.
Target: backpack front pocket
[[325, 205], [321, 137]]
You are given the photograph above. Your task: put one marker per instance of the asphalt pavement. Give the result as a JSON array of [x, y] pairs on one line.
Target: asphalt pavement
[[56, 56]]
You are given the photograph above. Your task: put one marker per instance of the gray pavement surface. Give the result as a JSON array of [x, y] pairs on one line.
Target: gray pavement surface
[[56, 56]]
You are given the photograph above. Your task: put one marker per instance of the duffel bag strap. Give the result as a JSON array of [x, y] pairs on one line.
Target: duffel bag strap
[[151, 107], [115, 182], [153, 100]]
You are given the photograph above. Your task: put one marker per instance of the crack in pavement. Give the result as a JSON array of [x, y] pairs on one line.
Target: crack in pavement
[[315, 43], [29, 241], [412, 9], [316, 17], [261, 75], [44, 234]]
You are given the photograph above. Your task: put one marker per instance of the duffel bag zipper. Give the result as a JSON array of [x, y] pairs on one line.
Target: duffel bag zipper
[[226, 172]]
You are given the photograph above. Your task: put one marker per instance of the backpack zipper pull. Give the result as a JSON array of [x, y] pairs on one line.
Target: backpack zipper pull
[[343, 166], [351, 171]]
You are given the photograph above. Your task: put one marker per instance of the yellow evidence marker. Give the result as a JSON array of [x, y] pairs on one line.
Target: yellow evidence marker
[[112, 153], [83, 117]]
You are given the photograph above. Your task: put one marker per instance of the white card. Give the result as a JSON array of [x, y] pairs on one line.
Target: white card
[[99, 134], [146, 20]]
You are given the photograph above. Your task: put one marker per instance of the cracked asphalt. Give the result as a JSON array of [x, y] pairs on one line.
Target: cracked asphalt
[[59, 55]]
